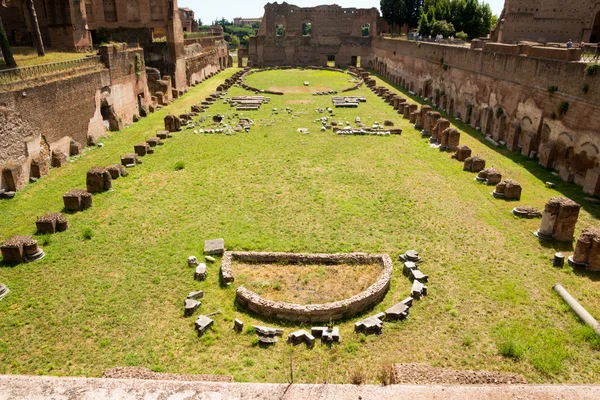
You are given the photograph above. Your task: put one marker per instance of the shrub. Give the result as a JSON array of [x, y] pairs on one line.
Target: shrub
[[591, 69], [444, 28], [552, 89], [87, 233], [511, 349], [563, 107], [585, 88], [461, 35], [138, 64], [179, 165], [445, 66], [358, 376], [499, 112]]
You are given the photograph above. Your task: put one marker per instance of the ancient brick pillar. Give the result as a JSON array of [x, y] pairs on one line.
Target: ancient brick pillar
[[441, 125], [98, 179], [431, 121], [462, 153], [591, 185], [172, 123], [512, 138], [528, 143], [587, 250], [559, 219], [546, 155]]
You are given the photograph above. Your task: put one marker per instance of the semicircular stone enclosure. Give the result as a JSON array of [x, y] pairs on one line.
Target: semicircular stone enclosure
[[309, 312]]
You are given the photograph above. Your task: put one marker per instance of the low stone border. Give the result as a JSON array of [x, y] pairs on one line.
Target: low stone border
[[312, 312]]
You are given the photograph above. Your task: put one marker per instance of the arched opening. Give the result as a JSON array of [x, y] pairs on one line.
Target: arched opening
[[595, 29]]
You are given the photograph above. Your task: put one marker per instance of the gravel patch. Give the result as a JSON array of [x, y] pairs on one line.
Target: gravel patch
[[145, 373], [421, 374]]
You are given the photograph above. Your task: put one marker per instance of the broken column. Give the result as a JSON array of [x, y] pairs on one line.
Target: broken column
[[12, 177], [39, 167], [474, 164], [51, 223], [77, 200], [129, 160], [490, 176], [437, 129], [508, 189], [587, 250], [116, 171], [559, 219], [98, 180], [462, 153], [141, 149], [21, 249], [58, 159], [172, 123], [591, 184]]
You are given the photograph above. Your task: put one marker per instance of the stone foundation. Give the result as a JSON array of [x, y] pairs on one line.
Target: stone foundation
[[52, 223], [474, 164], [587, 250], [98, 180], [20, 249], [559, 219], [312, 312], [77, 200]]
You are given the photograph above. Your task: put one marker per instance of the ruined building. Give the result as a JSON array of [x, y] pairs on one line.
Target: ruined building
[[188, 20], [47, 114], [291, 35], [549, 21]]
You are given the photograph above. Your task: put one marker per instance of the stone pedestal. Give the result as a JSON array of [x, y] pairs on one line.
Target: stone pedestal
[[98, 180], [21, 249], [437, 131], [52, 223], [462, 153], [172, 123], [591, 185], [559, 219], [546, 155], [474, 164], [587, 250], [77, 200], [39, 167], [58, 159], [141, 149], [74, 148], [508, 189]]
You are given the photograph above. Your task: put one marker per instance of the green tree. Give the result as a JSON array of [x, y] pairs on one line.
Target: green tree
[[5, 48], [235, 42], [469, 16], [444, 28]]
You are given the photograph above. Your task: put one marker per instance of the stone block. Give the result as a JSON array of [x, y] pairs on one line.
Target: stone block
[[74, 148], [238, 325], [437, 131], [301, 336], [129, 160], [196, 295], [474, 164], [12, 177], [409, 266], [453, 139], [591, 185], [214, 247], [559, 219], [116, 171], [77, 200], [52, 223], [153, 142], [397, 312], [190, 307], [200, 273], [370, 325], [141, 149], [202, 324], [193, 261], [172, 123], [418, 290], [58, 159], [98, 179], [462, 153], [528, 143], [39, 167], [416, 274]]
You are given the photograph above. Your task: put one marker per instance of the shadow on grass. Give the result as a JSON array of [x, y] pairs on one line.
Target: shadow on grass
[[543, 174]]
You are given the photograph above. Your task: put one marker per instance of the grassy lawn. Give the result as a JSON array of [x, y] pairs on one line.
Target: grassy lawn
[[110, 290], [27, 57]]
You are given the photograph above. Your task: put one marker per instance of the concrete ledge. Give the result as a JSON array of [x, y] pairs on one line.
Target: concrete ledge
[[15, 387]]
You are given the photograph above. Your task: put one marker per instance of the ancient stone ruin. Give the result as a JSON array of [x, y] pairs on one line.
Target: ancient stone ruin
[[309, 312], [526, 212], [489, 176], [508, 190], [559, 219], [587, 251], [449, 139], [98, 180], [116, 171], [474, 164], [129, 160], [20, 249], [52, 223], [141, 149], [462, 153], [172, 123], [77, 200]]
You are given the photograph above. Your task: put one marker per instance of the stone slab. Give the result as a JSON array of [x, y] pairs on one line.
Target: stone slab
[[214, 247]]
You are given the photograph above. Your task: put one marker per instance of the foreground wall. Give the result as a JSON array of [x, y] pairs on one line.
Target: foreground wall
[[508, 97]]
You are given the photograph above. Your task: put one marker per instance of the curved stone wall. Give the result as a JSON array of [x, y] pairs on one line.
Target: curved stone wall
[[312, 312]]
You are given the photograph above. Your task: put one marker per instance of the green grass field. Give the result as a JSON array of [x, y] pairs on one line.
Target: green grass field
[[110, 290], [27, 57]]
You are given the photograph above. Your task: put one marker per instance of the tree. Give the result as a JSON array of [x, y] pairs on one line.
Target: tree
[[199, 21], [468, 16], [5, 48], [235, 42], [443, 28], [37, 34]]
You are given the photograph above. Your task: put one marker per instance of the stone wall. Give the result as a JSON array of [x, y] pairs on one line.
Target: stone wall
[[336, 33], [312, 312], [548, 21], [507, 96]]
